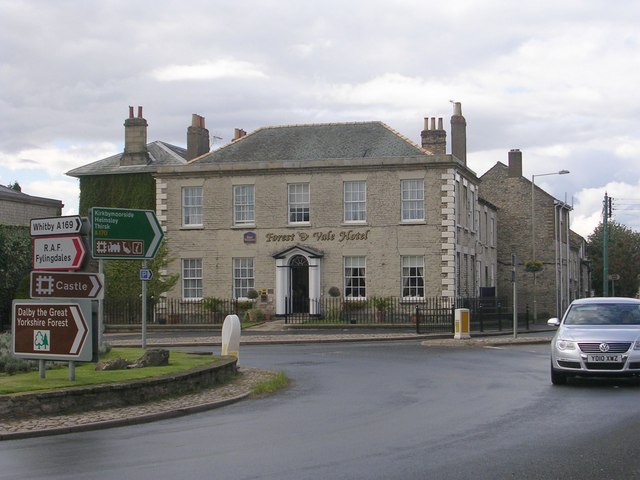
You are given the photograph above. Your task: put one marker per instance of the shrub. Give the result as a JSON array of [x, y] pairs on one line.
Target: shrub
[[254, 315], [334, 292]]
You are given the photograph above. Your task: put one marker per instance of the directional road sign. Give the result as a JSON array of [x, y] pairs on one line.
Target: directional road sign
[[56, 226], [146, 274], [52, 330], [124, 234], [67, 285], [58, 253]]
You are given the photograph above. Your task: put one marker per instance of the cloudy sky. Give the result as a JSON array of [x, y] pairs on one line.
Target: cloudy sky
[[557, 79]]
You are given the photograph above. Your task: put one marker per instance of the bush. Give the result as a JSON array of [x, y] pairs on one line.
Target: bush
[[254, 315], [212, 304], [10, 364]]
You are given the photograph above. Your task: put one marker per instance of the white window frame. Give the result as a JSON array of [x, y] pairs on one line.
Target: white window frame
[[412, 277], [244, 199], [298, 198], [355, 277], [412, 193], [192, 278], [355, 201], [192, 206], [243, 276]]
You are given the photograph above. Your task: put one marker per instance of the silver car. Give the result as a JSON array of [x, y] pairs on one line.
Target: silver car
[[597, 337]]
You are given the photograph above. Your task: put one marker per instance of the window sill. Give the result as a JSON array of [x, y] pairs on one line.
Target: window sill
[[249, 226], [355, 224], [413, 222], [192, 227]]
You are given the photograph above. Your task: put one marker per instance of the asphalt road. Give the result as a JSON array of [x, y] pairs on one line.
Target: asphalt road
[[396, 410]]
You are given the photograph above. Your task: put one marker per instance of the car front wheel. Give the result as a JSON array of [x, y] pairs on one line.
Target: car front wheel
[[558, 378]]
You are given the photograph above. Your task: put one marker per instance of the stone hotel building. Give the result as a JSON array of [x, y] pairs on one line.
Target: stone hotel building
[[292, 211]]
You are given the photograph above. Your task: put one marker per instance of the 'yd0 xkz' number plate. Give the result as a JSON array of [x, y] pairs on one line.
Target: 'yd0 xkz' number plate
[[604, 358]]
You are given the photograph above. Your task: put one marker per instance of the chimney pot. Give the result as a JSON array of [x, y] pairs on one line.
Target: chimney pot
[[434, 141], [458, 134], [197, 138]]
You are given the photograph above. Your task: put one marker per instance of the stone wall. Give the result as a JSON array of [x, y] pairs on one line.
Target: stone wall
[[98, 397]]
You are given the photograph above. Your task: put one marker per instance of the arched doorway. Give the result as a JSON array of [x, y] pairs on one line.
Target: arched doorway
[[297, 280], [299, 284]]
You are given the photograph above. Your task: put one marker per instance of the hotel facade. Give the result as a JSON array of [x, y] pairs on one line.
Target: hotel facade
[[294, 212]]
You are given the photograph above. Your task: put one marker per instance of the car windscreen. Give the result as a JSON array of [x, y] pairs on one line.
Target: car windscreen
[[603, 314]]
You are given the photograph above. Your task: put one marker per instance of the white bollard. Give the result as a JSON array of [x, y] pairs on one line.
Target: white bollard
[[231, 336]]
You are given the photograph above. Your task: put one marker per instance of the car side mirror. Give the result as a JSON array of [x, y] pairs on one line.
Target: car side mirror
[[553, 322]]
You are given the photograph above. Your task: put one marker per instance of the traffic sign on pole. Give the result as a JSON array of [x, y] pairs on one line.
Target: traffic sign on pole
[[124, 234], [56, 226], [58, 253], [146, 274], [67, 285], [52, 330]]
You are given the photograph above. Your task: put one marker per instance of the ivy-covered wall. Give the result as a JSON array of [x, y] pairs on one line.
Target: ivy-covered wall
[[136, 190]]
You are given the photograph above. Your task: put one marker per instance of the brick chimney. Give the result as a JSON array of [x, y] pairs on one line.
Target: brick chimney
[[238, 133], [458, 134], [434, 139], [197, 138], [135, 140], [515, 163]]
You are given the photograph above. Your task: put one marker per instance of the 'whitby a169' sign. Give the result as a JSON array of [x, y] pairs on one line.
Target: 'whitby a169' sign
[[326, 236]]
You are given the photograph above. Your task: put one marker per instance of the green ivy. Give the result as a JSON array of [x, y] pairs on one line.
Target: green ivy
[[136, 190]]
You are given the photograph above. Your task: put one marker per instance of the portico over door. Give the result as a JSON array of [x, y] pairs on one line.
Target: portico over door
[[297, 280]]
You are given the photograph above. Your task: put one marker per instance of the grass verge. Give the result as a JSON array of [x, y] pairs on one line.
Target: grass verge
[[273, 384], [87, 375]]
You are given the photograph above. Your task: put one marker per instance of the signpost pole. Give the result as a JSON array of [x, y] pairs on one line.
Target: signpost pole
[[41, 369], [100, 306], [144, 308], [515, 296], [72, 371]]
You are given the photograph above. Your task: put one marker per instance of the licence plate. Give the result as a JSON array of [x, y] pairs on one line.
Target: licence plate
[[604, 358]]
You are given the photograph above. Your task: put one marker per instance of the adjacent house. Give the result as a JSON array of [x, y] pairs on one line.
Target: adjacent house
[[551, 260], [18, 208], [126, 180]]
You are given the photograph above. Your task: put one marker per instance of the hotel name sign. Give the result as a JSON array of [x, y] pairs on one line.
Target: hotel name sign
[[321, 236]]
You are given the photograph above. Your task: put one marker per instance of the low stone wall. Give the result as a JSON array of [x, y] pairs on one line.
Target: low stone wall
[[78, 399]]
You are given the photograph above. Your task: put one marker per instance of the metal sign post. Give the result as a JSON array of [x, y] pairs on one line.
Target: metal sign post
[[515, 297]]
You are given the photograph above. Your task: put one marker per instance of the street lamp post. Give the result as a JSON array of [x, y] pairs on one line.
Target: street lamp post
[[533, 232]]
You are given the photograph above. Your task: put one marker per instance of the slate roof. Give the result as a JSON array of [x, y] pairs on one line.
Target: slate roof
[[160, 154], [12, 195], [315, 142]]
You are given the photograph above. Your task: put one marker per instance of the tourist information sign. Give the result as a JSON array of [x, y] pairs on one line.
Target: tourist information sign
[[56, 226], [58, 252], [124, 234], [52, 330], [67, 285]]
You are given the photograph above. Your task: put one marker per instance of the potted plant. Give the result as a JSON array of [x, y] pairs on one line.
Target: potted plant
[[213, 306], [533, 266], [334, 292], [381, 305]]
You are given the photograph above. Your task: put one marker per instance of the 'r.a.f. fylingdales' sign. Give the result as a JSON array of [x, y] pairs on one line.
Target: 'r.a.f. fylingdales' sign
[[321, 236]]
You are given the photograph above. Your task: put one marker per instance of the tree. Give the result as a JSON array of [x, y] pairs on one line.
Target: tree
[[624, 259], [122, 277], [15, 186], [15, 264]]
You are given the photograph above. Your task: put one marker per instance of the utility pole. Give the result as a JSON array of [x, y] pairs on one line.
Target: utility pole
[[606, 214]]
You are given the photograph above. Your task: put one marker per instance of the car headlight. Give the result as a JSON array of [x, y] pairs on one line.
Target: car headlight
[[636, 345], [563, 345]]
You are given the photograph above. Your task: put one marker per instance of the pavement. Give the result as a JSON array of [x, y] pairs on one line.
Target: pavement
[[275, 332]]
